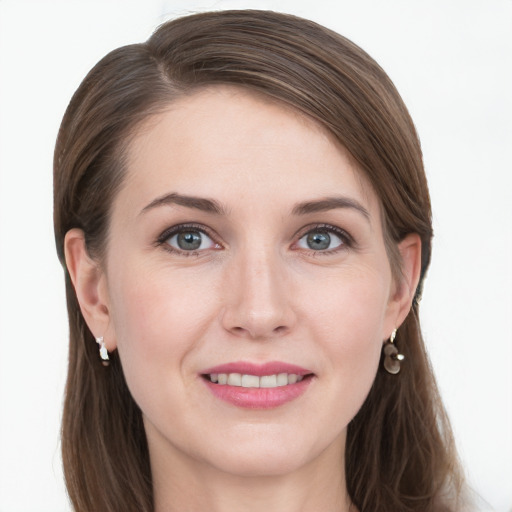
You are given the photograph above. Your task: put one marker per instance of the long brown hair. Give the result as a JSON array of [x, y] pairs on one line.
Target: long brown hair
[[400, 454]]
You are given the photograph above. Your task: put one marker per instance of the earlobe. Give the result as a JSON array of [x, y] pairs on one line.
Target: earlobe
[[89, 282], [410, 251]]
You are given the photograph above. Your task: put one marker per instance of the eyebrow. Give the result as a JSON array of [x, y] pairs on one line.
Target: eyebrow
[[330, 203], [199, 203], [212, 206]]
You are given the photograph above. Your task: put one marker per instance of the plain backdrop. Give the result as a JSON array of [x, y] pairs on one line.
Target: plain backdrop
[[451, 61]]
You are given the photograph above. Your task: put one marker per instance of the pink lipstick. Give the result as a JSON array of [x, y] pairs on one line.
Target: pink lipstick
[[257, 386]]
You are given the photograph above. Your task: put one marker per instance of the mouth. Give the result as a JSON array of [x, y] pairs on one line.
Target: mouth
[[257, 386], [247, 380]]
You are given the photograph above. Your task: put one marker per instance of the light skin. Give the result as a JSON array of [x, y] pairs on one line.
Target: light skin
[[291, 266]]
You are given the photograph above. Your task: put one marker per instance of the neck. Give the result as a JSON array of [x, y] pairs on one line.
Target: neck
[[181, 484]]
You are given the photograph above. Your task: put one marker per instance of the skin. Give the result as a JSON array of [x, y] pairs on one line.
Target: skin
[[255, 291]]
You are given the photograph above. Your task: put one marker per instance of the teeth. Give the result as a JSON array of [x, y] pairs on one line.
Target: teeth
[[253, 381], [282, 380], [250, 381], [268, 381], [234, 379]]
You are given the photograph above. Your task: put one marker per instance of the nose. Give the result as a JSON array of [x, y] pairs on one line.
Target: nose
[[258, 297]]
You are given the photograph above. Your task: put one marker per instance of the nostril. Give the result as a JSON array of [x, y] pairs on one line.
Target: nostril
[[259, 334]]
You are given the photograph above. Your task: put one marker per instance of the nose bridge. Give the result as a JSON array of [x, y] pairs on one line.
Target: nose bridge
[[259, 304], [262, 275]]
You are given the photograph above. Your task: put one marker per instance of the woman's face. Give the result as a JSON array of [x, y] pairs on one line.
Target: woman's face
[[245, 246]]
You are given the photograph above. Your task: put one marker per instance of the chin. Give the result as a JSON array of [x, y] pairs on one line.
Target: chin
[[266, 457], [261, 465]]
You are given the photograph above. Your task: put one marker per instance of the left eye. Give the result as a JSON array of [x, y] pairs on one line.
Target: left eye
[[190, 240], [320, 240]]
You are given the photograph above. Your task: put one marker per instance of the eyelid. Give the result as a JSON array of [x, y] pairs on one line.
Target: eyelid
[[348, 240], [180, 228]]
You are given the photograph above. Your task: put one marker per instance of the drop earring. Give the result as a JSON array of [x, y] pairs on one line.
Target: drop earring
[[392, 357], [103, 351]]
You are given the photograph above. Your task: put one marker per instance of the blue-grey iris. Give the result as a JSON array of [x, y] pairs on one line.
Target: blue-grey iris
[[318, 241], [189, 241]]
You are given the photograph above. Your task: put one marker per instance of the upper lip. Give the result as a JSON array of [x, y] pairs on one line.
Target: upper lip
[[259, 369]]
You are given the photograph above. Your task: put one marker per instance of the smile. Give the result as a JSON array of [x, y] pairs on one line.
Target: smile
[[257, 386], [254, 381]]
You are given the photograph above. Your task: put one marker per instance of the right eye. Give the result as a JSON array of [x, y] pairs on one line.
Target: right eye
[[189, 240]]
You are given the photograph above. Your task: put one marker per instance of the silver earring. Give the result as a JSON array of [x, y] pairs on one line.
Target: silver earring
[[391, 356], [103, 351]]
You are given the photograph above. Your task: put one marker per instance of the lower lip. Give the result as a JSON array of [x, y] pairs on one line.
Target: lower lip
[[259, 398]]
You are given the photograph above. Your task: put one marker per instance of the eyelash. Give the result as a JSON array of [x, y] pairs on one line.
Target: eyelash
[[347, 240], [183, 228]]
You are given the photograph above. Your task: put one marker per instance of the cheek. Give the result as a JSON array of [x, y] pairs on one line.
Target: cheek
[[157, 320], [152, 308], [351, 306], [349, 325]]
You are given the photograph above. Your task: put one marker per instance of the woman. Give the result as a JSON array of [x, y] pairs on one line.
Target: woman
[[244, 220]]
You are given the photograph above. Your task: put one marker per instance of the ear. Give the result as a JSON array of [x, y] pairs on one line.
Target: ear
[[401, 301], [90, 285]]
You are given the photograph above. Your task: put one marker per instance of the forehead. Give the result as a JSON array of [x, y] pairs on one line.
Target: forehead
[[222, 137]]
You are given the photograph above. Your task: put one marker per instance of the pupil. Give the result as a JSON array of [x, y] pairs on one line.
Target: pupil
[[189, 241], [318, 241]]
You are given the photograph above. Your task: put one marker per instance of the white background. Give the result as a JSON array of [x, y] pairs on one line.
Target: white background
[[452, 62]]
